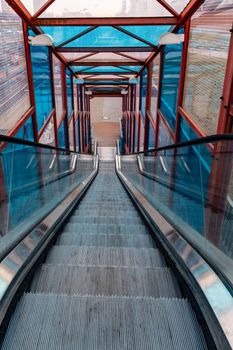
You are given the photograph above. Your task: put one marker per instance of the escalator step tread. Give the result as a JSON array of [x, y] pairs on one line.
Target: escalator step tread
[[109, 281], [119, 213], [106, 228], [91, 240], [86, 219], [63, 322], [103, 256]]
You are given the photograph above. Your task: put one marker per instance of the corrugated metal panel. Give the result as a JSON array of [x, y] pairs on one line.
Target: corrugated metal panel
[[14, 94], [207, 57]]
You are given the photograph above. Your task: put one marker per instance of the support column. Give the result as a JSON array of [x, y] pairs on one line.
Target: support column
[[30, 80], [148, 103], [64, 102]]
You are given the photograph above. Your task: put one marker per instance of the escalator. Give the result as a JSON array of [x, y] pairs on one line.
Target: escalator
[[108, 280]]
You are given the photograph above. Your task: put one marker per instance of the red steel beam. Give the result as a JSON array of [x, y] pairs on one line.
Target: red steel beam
[[107, 64], [82, 57], [104, 21], [182, 78], [168, 8], [30, 80], [105, 49], [53, 99], [50, 116], [22, 121], [129, 57], [134, 36], [225, 118], [189, 10], [42, 9], [84, 32]]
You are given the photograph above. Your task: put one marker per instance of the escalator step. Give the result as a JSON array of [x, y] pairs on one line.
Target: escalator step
[[102, 256], [104, 220], [120, 213], [62, 322], [93, 240], [106, 228], [109, 281]]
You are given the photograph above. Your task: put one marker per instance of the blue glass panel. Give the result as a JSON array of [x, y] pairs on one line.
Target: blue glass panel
[[170, 81], [77, 69], [149, 33], [78, 148], [63, 33], [109, 82], [109, 69], [186, 132], [165, 137], [42, 82], [106, 37], [143, 92], [62, 142], [26, 131], [151, 135], [69, 92]]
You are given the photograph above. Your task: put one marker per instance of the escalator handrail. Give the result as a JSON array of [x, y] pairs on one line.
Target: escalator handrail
[[198, 141], [10, 139]]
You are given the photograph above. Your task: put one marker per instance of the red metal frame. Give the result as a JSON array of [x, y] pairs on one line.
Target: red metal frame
[[105, 21], [148, 104], [30, 81], [182, 78], [64, 102]]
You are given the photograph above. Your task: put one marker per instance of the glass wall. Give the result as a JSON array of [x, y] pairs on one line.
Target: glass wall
[[48, 134], [69, 88], [26, 131], [14, 91], [62, 141], [170, 82], [42, 82], [143, 92], [206, 65], [154, 87], [165, 138], [57, 87]]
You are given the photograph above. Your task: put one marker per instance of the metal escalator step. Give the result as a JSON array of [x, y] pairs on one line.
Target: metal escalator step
[[106, 228], [102, 256], [122, 281], [107, 212], [109, 206], [62, 322], [86, 219], [93, 240]]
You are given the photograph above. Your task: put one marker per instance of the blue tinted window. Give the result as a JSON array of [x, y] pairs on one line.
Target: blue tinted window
[[143, 92], [62, 142], [170, 82], [149, 33], [42, 82], [26, 131], [106, 36], [69, 92]]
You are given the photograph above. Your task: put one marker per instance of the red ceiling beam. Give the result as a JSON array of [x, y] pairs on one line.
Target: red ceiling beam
[[186, 14], [82, 57], [169, 8], [134, 36], [105, 21], [108, 63], [104, 49], [42, 9], [189, 10], [105, 73], [129, 57]]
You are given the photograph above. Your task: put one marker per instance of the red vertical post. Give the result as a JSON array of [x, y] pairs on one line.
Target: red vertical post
[[159, 98], [30, 80], [182, 78], [64, 102], [148, 104], [221, 168], [53, 98]]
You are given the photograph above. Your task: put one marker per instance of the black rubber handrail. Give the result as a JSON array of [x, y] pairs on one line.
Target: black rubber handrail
[[9, 139], [198, 141]]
